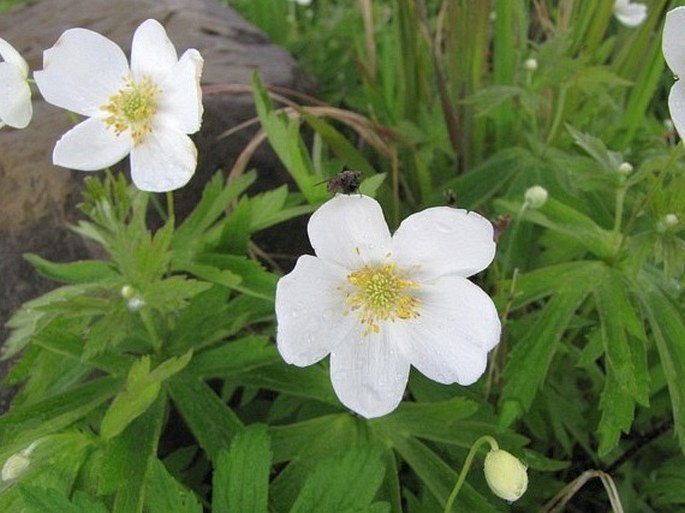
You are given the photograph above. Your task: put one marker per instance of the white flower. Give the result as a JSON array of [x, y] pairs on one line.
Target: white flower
[[673, 46], [17, 464], [506, 476], [145, 110], [630, 14], [15, 94], [380, 303]]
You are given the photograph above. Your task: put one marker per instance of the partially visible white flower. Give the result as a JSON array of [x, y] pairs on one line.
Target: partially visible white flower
[[15, 94], [673, 46], [302, 2], [629, 13], [506, 476], [146, 110], [535, 196], [379, 303]]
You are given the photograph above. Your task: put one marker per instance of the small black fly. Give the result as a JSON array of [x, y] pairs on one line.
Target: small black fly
[[345, 182]]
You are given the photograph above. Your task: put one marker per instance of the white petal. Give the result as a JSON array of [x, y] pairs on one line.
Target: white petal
[[676, 105], [350, 231], [152, 53], [81, 71], [11, 56], [91, 146], [457, 327], [15, 96], [165, 160], [631, 15], [444, 240], [369, 374], [309, 310], [182, 94], [673, 41]]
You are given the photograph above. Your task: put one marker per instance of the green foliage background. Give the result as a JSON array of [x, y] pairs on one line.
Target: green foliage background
[[183, 403]]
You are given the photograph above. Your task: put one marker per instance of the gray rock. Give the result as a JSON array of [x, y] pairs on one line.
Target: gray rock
[[39, 199]]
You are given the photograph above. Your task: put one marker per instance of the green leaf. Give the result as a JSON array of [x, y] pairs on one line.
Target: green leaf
[[617, 321], [82, 271], [43, 500], [609, 160], [343, 483], [370, 185], [236, 356], [618, 411], [27, 423], [668, 329], [212, 422], [166, 495], [140, 391], [129, 459], [529, 360], [241, 475]]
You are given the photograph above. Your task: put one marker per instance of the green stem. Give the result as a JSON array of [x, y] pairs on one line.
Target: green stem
[[467, 465], [149, 324], [169, 205], [618, 216]]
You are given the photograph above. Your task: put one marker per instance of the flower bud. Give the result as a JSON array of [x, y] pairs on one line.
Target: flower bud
[[625, 168], [135, 303], [506, 475], [671, 220], [15, 466], [531, 64], [536, 196], [127, 292]]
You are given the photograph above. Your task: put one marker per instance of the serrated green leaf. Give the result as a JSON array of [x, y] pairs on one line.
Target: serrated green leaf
[[241, 475], [609, 160], [209, 418], [668, 329], [618, 411], [82, 271], [236, 356], [617, 316], [25, 424], [44, 500], [166, 495], [140, 390], [342, 483], [130, 457], [529, 360]]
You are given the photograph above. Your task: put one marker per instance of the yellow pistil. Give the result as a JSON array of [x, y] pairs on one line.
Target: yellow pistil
[[381, 294], [132, 108]]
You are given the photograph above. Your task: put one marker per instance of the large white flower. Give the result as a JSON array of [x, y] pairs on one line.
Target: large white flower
[[15, 94], [630, 14], [145, 110], [380, 303], [673, 46]]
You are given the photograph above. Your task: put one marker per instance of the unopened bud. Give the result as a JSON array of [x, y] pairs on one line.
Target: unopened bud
[[127, 292], [531, 64], [15, 466], [670, 220], [506, 476], [536, 196], [135, 303], [625, 168]]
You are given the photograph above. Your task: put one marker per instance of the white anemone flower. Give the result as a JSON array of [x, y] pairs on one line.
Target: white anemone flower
[[629, 13], [673, 46], [379, 303], [15, 94], [146, 110]]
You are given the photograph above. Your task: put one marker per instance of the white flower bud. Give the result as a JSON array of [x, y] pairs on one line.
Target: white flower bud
[[670, 220], [536, 196], [507, 477], [127, 292], [668, 124], [625, 168], [15, 466], [531, 64], [135, 303]]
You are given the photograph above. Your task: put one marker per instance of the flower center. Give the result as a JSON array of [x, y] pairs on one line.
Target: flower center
[[381, 294], [132, 108]]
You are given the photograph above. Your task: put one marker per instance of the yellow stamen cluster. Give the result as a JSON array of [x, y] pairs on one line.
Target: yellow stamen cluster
[[381, 294], [132, 108]]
